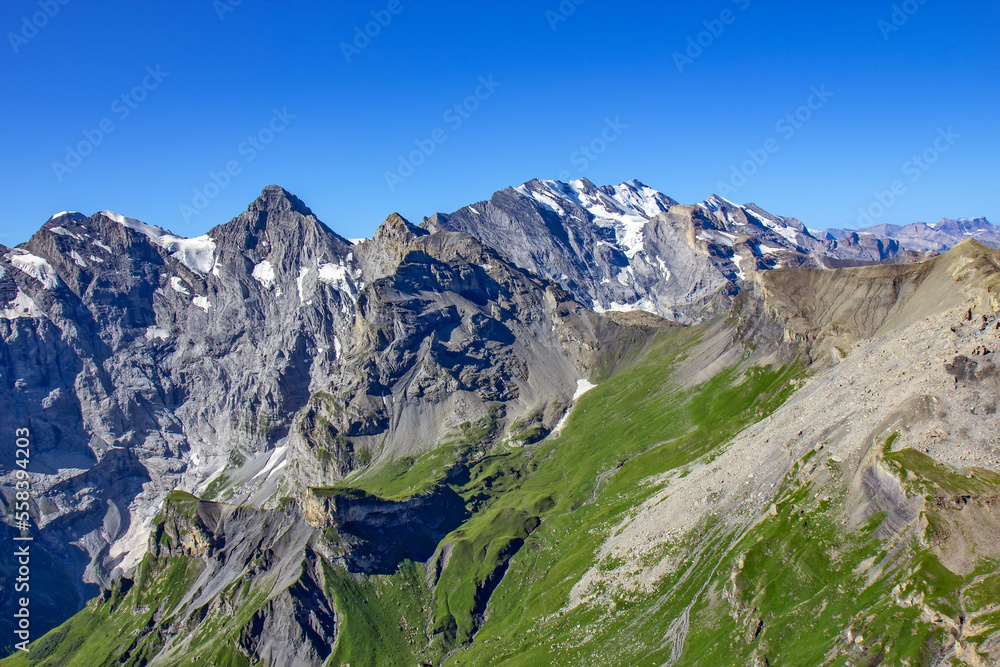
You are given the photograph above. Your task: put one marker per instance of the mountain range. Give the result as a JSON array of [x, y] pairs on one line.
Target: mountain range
[[569, 424]]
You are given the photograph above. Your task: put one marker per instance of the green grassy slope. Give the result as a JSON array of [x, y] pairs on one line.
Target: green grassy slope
[[796, 587]]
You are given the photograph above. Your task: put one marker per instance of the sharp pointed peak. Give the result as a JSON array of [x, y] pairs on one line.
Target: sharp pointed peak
[[277, 198]]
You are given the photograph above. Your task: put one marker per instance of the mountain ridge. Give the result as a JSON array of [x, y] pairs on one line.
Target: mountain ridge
[[271, 363]]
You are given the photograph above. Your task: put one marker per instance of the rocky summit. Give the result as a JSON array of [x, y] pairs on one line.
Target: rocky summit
[[568, 425]]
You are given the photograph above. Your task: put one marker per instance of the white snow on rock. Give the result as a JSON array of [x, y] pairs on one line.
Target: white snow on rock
[[582, 387], [715, 203], [77, 259], [264, 274], [663, 269], [202, 302], [787, 232], [549, 202], [36, 267], [21, 306], [102, 246], [198, 254], [337, 275], [300, 281], [62, 231], [153, 333], [716, 236], [272, 462], [627, 209], [740, 273], [178, 285]]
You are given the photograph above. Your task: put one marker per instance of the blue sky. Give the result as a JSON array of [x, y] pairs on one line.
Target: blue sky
[[269, 91]]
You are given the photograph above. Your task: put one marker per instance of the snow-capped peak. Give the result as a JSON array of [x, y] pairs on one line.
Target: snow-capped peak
[[62, 214], [716, 203], [626, 207]]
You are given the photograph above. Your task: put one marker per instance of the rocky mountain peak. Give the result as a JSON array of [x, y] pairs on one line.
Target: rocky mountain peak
[[398, 229], [275, 199], [276, 219]]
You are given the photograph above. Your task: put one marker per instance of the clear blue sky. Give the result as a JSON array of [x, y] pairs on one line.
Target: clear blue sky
[[892, 91]]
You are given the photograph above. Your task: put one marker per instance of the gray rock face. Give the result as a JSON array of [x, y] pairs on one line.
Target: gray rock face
[[269, 355], [237, 552], [629, 247]]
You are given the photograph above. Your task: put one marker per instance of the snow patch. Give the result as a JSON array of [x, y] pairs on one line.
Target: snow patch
[[582, 387], [198, 254], [299, 281], [550, 203], [21, 306], [202, 302], [178, 285], [663, 268], [36, 267], [787, 232], [102, 246], [78, 260], [338, 276], [272, 462], [740, 273], [715, 236], [264, 274], [153, 333]]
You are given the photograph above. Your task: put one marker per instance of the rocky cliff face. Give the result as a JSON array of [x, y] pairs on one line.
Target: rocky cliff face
[[266, 356]]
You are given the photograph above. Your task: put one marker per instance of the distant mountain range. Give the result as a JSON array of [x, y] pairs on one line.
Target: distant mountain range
[[630, 247], [924, 237]]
